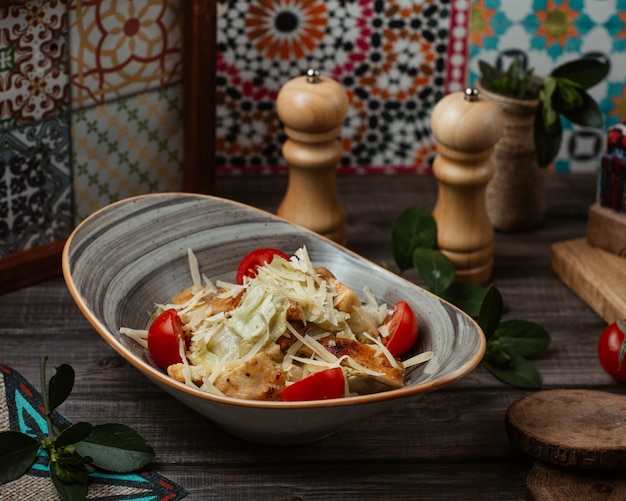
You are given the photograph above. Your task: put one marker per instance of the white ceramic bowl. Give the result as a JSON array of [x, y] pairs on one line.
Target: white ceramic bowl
[[132, 254]]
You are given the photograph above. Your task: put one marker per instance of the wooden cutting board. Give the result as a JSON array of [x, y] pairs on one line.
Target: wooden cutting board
[[583, 429], [596, 275]]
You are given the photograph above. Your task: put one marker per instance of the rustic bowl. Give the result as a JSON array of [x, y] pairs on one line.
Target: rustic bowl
[[132, 254]]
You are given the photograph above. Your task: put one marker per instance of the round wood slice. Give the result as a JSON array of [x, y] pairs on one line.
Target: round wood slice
[[575, 428], [546, 482]]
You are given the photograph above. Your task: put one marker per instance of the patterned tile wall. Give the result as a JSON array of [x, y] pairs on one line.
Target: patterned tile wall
[[394, 58], [91, 107], [548, 33], [91, 111], [35, 175]]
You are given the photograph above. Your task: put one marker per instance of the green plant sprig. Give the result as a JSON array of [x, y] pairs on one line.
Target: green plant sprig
[[510, 342], [74, 451], [563, 92]]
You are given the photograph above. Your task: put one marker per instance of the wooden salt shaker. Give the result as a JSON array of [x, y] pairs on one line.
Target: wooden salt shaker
[[466, 127], [313, 109]]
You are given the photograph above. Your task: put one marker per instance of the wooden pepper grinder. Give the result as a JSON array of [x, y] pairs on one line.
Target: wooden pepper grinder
[[466, 127], [313, 109]]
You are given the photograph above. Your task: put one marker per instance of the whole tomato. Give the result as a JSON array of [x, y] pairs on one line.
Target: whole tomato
[[612, 350]]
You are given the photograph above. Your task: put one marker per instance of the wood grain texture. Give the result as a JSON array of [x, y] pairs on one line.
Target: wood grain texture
[[596, 275], [549, 483], [199, 72], [448, 445], [606, 229], [30, 266], [575, 428]]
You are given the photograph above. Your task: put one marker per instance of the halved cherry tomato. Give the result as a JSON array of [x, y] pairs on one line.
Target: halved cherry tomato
[[318, 386], [402, 325], [164, 338], [612, 350], [255, 259]]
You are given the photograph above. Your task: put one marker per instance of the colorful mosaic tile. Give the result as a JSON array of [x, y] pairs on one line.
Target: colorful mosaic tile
[[547, 33], [127, 147], [390, 56], [34, 83], [35, 185], [119, 47]]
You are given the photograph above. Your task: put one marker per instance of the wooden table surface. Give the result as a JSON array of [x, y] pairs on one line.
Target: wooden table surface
[[447, 445]]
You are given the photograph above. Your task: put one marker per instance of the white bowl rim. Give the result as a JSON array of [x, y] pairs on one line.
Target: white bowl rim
[[176, 386]]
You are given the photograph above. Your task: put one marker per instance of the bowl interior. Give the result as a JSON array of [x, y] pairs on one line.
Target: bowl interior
[[132, 254]]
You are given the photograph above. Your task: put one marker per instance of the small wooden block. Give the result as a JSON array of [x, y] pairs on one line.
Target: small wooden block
[[551, 483], [597, 276], [607, 229], [583, 429], [30, 266]]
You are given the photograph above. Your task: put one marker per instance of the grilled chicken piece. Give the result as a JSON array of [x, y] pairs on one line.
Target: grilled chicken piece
[[186, 294], [257, 379], [218, 301], [287, 339], [198, 372], [367, 356], [221, 303], [349, 302]]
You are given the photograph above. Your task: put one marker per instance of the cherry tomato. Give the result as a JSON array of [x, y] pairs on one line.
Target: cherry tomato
[[402, 325], [254, 259], [318, 386], [164, 338], [612, 350]]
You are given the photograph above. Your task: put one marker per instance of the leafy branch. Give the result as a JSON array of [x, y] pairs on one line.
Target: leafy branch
[[74, 451], [510, 342]]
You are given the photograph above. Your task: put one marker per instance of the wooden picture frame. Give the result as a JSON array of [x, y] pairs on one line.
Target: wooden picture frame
[[199, 59]]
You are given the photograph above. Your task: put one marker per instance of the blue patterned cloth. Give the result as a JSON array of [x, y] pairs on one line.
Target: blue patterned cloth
[[21, 409]]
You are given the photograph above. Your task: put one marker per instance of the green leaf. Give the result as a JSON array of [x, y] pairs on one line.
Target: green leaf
[[116, 447], [569, 97], [466, 296], [520, 373], [74, 433], [586, 72], [68, 491], [60, 385], [496, 354], [414, 228], [17, 453], [547, 142], [522, 337], [489, 73], [436, 270], [587, 113], [490, 311]]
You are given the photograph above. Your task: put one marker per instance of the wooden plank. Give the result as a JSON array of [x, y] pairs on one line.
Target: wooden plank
[[30, 266], [607, 229], [597, 276]]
